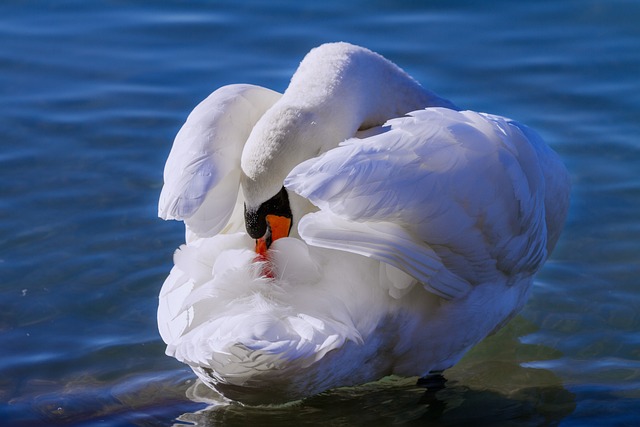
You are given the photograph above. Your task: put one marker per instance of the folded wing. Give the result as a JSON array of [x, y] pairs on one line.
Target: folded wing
[[452, 198], [202, 173]]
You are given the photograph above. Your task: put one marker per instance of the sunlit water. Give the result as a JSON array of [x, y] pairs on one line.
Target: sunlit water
[[92, 94]]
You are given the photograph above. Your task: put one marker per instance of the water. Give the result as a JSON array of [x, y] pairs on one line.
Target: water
[[92, 95]]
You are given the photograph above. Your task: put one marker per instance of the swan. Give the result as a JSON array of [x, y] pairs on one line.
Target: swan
[[354, 227]]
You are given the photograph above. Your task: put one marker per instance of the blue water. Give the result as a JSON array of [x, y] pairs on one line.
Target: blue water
[[91, 96]]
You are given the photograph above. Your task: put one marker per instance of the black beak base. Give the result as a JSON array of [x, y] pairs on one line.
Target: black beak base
[[256, 220]]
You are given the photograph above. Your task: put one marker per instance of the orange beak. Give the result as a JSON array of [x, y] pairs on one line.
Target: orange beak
[[277, 227]]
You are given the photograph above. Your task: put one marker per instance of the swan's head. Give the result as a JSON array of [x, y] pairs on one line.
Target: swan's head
[[282, 138], [270, 221]]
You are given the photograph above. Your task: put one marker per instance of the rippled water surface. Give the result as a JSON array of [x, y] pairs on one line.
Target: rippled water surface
[[92, 94]]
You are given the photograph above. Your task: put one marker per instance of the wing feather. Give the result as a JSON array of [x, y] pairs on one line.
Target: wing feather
[[466, 189], [202, 173], [386, 242]]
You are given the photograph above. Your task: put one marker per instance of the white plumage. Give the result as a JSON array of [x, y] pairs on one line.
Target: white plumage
[[417, 229]]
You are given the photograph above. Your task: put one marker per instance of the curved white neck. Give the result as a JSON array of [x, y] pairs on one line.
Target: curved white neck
[[338, 89]]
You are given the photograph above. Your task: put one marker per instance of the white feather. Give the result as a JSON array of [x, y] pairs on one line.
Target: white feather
[[202, 173], [468, 184]]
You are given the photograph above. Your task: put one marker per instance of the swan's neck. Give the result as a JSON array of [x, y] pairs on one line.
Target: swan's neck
[[338, 89]]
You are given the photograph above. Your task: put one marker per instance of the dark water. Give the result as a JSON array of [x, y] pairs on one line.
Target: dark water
[[91, 96]]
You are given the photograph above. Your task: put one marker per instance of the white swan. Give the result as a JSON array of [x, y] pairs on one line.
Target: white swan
[[415, 229]]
